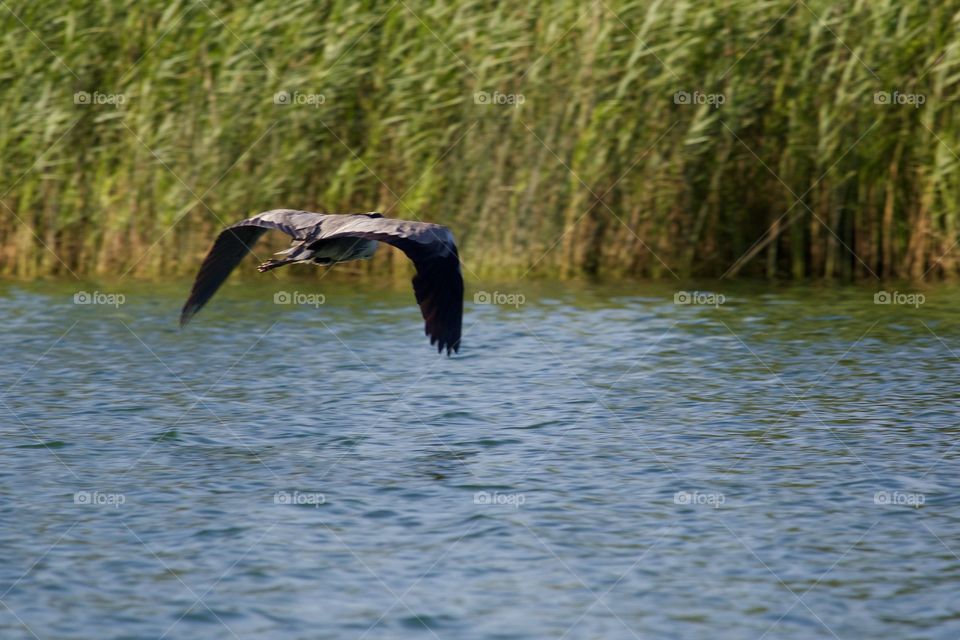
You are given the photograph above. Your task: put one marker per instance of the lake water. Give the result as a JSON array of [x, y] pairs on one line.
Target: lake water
[[598, 462]]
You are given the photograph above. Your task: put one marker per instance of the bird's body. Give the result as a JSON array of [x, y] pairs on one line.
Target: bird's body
[[343, 250], [324, 252], [327, 239]]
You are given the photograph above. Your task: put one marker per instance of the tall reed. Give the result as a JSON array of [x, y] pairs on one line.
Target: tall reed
[[616, 137]]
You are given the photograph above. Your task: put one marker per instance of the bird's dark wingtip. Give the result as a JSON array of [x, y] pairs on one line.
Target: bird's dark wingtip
[[186, 315], [451, 347]]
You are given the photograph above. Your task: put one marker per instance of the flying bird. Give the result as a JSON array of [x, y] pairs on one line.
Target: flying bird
[[327, 239]]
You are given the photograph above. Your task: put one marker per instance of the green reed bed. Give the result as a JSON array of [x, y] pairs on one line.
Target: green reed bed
[[711, 138]]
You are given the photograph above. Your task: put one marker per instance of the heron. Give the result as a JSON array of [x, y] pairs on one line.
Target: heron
[[328, 239]]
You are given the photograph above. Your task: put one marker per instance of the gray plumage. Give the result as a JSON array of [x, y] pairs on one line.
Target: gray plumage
[[328, 239]]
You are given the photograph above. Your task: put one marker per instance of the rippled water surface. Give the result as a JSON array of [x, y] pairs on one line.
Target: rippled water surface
[[598, 462]]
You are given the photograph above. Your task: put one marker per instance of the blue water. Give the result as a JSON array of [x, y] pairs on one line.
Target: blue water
[[598, 462]]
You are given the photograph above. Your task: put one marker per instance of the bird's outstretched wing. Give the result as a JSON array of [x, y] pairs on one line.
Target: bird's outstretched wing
[[235, 242], [438, 283]]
